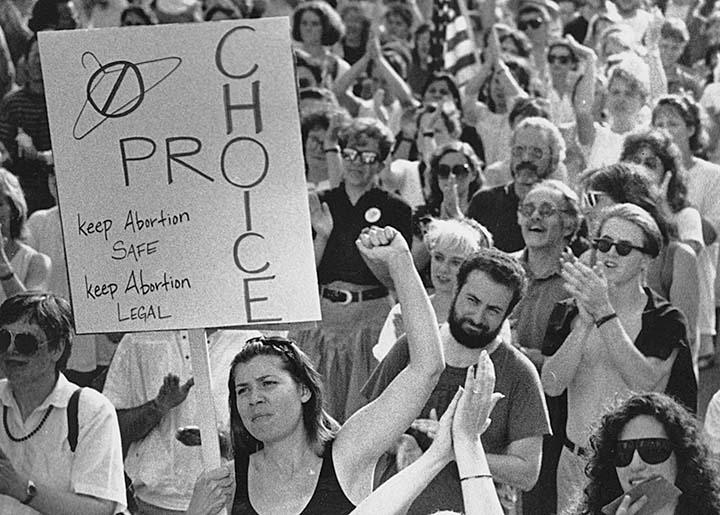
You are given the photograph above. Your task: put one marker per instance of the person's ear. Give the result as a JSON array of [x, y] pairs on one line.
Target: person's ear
[[305, 393]]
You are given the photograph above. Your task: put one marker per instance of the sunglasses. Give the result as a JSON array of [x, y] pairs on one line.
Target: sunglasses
[[560, 59], [26, 344], [592, 198], [533, 24], [623, 247], [652, 451], [459, 171], [545, 209], [367, 158]]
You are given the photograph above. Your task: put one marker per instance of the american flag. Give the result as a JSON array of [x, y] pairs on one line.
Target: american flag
[[452, 46]]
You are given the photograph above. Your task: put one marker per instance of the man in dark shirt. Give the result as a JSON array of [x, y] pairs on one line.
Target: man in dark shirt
[[490, 283], [537, 150]]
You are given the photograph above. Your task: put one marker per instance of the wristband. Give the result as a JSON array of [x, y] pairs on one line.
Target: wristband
[[476, 476], [600, 321], [331, 149], [8, 276]]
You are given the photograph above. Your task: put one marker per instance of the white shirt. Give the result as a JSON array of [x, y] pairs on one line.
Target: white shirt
[[94, 469], [163, 469]]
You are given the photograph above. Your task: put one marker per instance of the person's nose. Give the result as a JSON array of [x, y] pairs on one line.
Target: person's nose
[[256, 396], [637, 464]]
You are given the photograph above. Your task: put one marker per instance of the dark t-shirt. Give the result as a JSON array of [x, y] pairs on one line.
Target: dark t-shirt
[[663, 329], [496, 209], [341, 260], [521, 414]]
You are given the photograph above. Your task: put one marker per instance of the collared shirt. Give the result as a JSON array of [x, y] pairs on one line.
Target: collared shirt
[[94, 469], [164, 470], [532, 313]]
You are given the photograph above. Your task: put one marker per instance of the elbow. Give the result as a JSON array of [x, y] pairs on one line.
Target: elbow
[[550, 383], [529, 479]]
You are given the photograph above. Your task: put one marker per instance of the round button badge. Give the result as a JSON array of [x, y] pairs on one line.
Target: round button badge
[[372, 215]]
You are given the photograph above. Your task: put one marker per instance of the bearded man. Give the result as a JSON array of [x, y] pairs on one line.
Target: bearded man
[[489, 285]]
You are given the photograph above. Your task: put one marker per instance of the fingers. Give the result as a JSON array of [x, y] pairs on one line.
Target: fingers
[[313, 201], [188, 384]]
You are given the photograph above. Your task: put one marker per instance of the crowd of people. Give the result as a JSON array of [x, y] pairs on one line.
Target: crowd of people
[[517, 276]]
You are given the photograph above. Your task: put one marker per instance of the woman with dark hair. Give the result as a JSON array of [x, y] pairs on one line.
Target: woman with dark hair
[[351, 46], [21, 267], [674, 273], [512, 41], [562, 61], [316, 26], [650, 434], [419, 70], [681, 117], [656, 151], [291, 457], [455, 176], [53, 15]]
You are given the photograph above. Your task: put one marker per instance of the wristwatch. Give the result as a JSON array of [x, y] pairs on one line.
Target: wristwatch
[[30, 492]]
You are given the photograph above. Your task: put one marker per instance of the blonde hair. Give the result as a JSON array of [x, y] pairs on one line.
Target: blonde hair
[[465, 235]]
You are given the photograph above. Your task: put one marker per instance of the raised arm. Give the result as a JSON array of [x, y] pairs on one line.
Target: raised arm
[[584, 97], [658, 80], [342, 85], [395, 83], [373, 429], [322, 223]]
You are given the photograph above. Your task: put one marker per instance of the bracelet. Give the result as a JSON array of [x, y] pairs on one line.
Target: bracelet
[[7, 276], [476, 476], [600, 321], [331, 149]]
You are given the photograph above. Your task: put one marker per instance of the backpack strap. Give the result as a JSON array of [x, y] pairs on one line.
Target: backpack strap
[[72, 419]]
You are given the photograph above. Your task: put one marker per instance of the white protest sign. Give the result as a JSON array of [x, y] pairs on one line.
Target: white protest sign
[[180, 175]]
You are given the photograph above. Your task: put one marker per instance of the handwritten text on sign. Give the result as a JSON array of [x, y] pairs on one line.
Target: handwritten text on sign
[[180, 175]]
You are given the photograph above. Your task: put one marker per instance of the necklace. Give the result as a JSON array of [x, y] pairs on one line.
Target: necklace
[[29, 435]]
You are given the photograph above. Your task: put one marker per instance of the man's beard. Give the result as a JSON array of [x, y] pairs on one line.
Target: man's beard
[[474, 340]]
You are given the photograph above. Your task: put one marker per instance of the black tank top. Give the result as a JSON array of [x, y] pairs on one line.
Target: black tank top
[[328, 498]]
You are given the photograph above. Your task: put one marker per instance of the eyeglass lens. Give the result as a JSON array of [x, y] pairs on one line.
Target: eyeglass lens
[[652, 451]]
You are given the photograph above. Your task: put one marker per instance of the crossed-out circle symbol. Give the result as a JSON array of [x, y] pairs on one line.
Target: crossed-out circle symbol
[[128, 107]]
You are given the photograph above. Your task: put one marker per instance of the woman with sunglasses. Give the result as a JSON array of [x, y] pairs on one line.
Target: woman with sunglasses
[[354, 301], [291, 456], [562, 63], [620, 336], [21, 267], [649, 435], [674, 273]]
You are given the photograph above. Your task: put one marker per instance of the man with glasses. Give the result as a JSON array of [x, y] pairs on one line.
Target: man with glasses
[[616, 336], [43, 467], [537, 151], [353, 300]]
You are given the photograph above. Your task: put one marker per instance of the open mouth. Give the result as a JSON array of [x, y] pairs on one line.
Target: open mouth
[[610, 264]]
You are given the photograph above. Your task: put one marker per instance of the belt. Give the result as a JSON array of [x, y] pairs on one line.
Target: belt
[[347, 296], [576, 449]]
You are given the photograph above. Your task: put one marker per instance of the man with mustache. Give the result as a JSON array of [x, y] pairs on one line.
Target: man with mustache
[[537, 151], [489, 285]]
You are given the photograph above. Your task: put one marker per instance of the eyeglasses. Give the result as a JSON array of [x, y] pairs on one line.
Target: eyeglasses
[[459, 171], [591, 198], [560, 59], [536, 153], [623, 247], [545, 209], [367, 157], [533, 24], [652, 451], [26, 344]]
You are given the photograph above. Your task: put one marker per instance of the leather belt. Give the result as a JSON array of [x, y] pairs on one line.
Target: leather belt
[[576, 449], [346, 296]]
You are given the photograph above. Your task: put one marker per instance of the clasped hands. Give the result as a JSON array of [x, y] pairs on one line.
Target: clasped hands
[[588, 286]]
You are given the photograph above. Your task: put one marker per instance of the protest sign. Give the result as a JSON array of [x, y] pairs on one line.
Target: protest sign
[[180, 175]]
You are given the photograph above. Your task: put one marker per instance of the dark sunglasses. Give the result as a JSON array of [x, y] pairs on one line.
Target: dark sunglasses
[[652, 451], [533, 24], [366, 158], [26, 344], [459, 171], [545, 209], [623, 247], [560, 59]]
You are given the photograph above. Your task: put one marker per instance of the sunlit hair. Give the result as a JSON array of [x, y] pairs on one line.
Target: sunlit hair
[[369, 128], [639, 217], [661, 144], [635, 184], [555, 139], [319, 425], [463, 235], [570, 214], [332, 25], [52, 314], [696, 475], [501, 267], [691, 112], [633, 70], [10, 187], [622, 34]]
